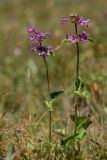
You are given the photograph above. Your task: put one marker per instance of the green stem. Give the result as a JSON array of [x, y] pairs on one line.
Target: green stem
[[78, 58], [50, 112], [77, 78], [77, 86]]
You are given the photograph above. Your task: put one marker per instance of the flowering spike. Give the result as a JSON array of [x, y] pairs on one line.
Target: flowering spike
[[76, 20], [39, 37]]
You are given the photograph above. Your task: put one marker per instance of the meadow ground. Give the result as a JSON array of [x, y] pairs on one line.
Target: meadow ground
[[23, 86]]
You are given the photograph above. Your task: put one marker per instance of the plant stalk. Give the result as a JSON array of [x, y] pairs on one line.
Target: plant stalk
[[50, 112], [77, 78], [78, 59], [77, 86]]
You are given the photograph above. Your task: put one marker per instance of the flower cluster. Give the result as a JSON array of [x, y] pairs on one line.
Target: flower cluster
[[37, 39], [77, 38], [77, 20]]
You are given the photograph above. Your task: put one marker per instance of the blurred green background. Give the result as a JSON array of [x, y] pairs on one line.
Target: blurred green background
[[23, 85]]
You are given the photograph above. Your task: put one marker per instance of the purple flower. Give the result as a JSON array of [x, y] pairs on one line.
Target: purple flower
[[32, 37], [43, 53], [40, 36], [83, 36], [63, 20], [42, 50], [38, 47], [31, 29], [33, 48], [50, 49], [83, 21], [74, 38]]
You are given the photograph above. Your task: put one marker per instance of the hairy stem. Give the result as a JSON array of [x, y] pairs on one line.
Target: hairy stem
[[50, 112]]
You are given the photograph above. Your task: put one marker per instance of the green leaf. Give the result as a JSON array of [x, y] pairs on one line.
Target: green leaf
[[10, 153], [87, 124], [81, 133], [68, 139], [82, 121], [65, 41], [55, 94], [81, 94], [82, 88]]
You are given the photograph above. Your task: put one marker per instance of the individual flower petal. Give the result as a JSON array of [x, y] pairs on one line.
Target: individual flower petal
[[39, 35], [83, 21], [63, 20], [37, 46], [31, 29], [32, 37], [83, 36], [74, 38], [33, 49]]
